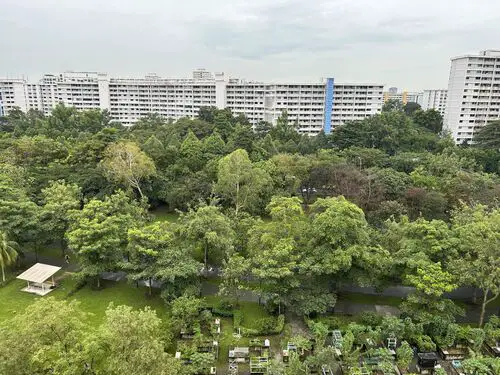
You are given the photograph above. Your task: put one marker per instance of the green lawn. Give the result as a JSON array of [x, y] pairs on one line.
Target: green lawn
[[14, 301], [161, 214]]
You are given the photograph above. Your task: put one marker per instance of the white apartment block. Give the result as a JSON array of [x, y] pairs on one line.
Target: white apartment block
[[434, 99], [404, 96], [413, 97], [314, 106], [473, 94], [13, 92]]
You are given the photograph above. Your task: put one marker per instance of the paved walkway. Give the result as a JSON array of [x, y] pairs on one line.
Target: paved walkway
[[341, 307]]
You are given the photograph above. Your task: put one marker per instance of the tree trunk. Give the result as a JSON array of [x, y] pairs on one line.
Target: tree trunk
[[3, 273], [140, 191], [63, 248], [237, 198], [150, 289], [483, 305], [206, 257], [98, 282]]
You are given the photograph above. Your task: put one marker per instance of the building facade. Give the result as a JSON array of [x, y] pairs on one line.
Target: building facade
[[314, 106], [434, 99], [2, 112], [473, 94], [404, 96]]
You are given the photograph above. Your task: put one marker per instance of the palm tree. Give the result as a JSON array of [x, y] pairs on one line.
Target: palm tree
[[8, 252]]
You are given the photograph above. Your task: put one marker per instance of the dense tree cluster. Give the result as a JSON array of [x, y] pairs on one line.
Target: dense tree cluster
[[384, 200], [54, 337]]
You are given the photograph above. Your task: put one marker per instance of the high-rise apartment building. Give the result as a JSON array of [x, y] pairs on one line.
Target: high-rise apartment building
[[314, 106], [473, 94], [404, 96], [13, 93], [413, 97], [434, 99], [1, 106]]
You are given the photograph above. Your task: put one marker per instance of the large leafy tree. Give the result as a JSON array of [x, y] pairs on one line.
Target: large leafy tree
[[393, 105], [477, 231], [49, 337], [488, 136], [275, 247], [58, 199], [155, 254], [430, 119], [339, 239], [390, 131], [427, 302], [191, 151], [144, 247], [18, 214], [125, 163], [414, 244], [8, 252], [98, 232], [234, 271], [411, 107], [207, 232], [240, 182], [132, 342]]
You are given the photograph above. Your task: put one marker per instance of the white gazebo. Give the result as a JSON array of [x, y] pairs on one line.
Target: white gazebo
[[38, 278]]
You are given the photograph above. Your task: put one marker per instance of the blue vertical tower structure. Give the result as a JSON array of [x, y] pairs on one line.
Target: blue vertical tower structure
[[327, 125]]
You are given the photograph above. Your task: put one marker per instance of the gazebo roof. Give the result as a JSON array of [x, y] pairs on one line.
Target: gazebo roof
[[39, 273]]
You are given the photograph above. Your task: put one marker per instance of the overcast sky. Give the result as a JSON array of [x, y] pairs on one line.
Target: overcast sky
[[407, 44]]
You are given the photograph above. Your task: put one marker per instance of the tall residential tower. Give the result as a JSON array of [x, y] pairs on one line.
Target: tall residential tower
[[473, 94], [434, 99]]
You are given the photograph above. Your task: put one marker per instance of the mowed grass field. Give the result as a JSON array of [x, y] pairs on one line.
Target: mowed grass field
[[95, 302]]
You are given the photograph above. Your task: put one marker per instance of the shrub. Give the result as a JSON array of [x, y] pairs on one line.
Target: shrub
[[425, 344], [404, 355], [237, 319], [222, 313], [280, 324], [333, 322], [265, 326], [370, 318]]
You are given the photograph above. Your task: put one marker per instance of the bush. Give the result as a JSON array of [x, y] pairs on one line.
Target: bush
[[424, 343], [369, 318], [222, 313], [272, 306], [404, 355], [237, 319], [280, 324], [333, 322], [224, 309], [265, 326], [225, 305]]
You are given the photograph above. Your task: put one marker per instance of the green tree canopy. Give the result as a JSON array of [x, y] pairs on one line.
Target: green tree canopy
[[98, 233]]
